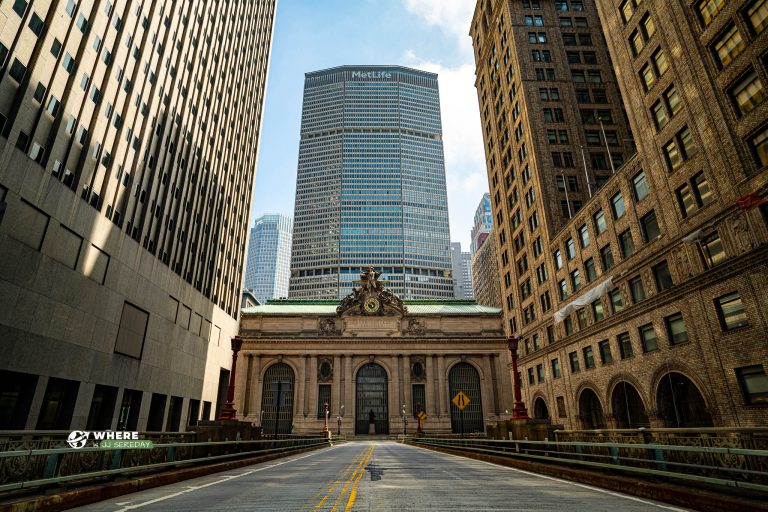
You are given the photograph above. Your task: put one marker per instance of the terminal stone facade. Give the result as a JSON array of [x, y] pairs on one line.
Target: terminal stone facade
[[376, 360]]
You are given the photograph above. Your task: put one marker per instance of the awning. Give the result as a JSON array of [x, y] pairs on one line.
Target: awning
[[585, 299]]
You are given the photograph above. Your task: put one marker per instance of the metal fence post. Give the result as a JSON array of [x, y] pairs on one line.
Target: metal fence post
[[658, 454], [51, 466]]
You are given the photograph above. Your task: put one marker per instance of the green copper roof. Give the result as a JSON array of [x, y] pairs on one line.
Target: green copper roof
[[328, 307]]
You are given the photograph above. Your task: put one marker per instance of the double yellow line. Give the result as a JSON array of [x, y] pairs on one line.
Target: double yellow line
[[351, 482]]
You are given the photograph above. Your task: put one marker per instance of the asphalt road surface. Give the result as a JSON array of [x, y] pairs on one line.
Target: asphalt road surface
[[377, 476]]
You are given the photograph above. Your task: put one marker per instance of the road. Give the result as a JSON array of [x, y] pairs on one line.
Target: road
[[404, 478]]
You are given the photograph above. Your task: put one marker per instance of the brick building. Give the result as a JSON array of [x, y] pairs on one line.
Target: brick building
[[640, 300]]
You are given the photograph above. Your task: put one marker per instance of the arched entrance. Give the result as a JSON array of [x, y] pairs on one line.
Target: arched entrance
[[464, 377], [372, 400], [277, 400], [590, 410], [680, 404], [627, 406], [540, 411]]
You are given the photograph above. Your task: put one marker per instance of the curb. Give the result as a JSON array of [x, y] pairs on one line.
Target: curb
[[687, 497], [95, 493]]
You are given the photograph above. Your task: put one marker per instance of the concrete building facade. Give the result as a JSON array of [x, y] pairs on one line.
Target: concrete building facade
[[461, 268], [646, 307], [129, 140], [370, 186], [268, 267]]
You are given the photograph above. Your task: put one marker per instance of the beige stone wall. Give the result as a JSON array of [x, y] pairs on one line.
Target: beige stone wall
[[446, 341]]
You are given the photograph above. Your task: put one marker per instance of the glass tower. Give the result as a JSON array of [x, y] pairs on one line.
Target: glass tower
[[269, 257], [370, 187]]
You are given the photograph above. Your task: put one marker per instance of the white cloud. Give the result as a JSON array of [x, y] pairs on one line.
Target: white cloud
[[451, 16]]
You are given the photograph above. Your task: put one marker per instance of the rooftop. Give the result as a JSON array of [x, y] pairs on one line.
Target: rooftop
[[328, 307]]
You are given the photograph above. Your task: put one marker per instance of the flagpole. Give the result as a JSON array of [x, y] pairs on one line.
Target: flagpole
[[610, 158], [567, 201], [586, 175]]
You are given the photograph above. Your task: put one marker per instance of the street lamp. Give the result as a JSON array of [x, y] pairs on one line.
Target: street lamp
[[338, 420], [518, 411], [228, 411], [405, 421], [325, 426]]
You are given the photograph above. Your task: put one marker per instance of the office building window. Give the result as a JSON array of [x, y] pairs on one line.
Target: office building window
[[759, 145], [712, 250], [648, 338], [709, 9], [731, 312], [662, 276], [616, 302], [617, 205], [606, 257], [600, 224], [604, 348], [757, 16], [747, 93], [728, 46], [626, 244], [676, 330], [597, 310], [639, 186], [754, 384], [589, 270], [625, 345], [650, 227], [589, 358], [636, 289], [556, 372], [573, 357]]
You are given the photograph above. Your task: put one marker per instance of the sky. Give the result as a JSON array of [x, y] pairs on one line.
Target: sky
[[425, 34]]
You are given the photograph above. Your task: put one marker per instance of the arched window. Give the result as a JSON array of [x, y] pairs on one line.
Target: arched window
[[590, 410], [372, 400], [464, 377], [277, 400], [680, 404], [627, 407], [540, 410]]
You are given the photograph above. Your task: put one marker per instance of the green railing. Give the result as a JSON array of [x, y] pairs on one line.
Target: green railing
[[730, 467], [30, 468]]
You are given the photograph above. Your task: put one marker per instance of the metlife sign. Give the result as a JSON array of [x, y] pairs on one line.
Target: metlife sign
[[372, 74]]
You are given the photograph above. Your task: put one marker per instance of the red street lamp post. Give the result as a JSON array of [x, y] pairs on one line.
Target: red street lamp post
[[518, 411], [228, 411]]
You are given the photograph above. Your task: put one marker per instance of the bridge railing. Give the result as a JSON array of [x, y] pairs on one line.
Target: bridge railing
[[41, 467], [744, 468]]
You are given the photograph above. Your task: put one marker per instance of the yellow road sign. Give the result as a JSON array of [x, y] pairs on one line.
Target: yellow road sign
[[422, 415], [460, 400]]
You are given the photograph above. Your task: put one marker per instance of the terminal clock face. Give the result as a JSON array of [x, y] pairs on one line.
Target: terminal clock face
[[371, 305]]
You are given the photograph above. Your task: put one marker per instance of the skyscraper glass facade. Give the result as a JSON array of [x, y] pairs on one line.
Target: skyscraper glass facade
[[269, 257], [483, 223], [370, 188]]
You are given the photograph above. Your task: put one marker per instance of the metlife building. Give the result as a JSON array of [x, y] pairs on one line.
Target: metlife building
[[370, 187]]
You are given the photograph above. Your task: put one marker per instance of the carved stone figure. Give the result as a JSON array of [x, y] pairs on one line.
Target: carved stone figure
[[327, 327], [371, 298]]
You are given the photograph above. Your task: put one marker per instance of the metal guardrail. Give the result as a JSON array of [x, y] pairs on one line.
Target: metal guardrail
[[29, 468], [730, 467]]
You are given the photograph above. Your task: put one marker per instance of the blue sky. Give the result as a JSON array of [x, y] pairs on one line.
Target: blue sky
[[425, 34]]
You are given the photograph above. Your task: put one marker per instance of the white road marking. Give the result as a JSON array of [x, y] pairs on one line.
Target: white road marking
[[224, 478], [555, 479]]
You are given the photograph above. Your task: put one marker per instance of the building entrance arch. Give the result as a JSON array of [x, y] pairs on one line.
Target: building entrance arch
[[372, 400]]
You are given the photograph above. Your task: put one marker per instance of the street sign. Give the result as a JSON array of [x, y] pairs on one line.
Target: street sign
[[422, 415], [460, 400]]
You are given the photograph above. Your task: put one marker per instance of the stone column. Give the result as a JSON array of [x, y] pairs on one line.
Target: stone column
[[254, 404], [488, 365], [487, 388], [312, 405], [407, 391], [349, 386], [336, 397], [395, 395], [430, 387], [82, 406], [301, 391], [442, 385]]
